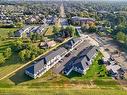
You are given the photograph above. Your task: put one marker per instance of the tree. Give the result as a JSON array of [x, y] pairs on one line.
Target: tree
[[28, 54], [19, 24], [42, 38], [35, 37], [33, 57], [121, 19], [7, 53], [71, 30], [22, 55], [11, 34], [126, 41], [56, 29], [121, 37], [81, 14], [92, 29], [2, 59], [17, 45]]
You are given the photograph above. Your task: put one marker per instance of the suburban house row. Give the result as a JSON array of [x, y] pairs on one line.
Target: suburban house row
[[39, 67], [25, 31], [83, 60]]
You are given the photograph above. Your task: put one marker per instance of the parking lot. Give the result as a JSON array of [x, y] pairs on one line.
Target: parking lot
[[113, 49]]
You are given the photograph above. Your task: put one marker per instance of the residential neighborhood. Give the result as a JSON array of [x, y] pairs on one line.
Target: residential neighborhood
[[63, 47]]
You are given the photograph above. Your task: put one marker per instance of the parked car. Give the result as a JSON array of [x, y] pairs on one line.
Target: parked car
[[67, 55]]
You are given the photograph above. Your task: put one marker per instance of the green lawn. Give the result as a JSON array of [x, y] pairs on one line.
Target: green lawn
[[52, 84], [49, 31], [59, 91], [13, 62], [95, 71], [4, 34]]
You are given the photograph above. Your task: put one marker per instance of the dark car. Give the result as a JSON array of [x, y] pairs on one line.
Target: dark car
[[67, 55]]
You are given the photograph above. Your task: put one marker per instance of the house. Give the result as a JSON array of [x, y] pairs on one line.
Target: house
[[47, 44], [59, 39], [81, 20], [45, 63], [65, 33], [7, 22], [50, 44], [32, 20], [40, 29], [51, 19], [36, 69], [64, 22], [28, 29], [83, 61], [71, 44], [79, 31], [103, 12], [20, 32]]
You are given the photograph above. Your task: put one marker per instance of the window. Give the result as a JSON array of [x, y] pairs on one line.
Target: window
[[87, 64]]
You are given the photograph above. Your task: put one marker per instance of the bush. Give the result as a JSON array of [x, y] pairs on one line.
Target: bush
[[2, 59], [7, 53]]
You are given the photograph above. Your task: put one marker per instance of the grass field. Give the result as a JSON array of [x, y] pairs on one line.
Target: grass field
[[13, 62], [52, 84], [59, 91], [49, 31]]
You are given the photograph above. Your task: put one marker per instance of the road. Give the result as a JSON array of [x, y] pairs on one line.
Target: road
[[62, 13], [61, 65]]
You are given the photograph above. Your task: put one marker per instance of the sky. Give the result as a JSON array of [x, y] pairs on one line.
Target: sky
[[66, 0]]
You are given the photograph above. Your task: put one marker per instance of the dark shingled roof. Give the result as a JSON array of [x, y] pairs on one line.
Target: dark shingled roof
[[38, 67], [53, 54], [83, 59], [89, 51], [85, 56], [82, 63], [34, 69], [71, 42]]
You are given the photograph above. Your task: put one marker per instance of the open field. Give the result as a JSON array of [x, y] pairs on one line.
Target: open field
[[50, 83], [49, 32], [61, 92], [13, 62], [4, 43]]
